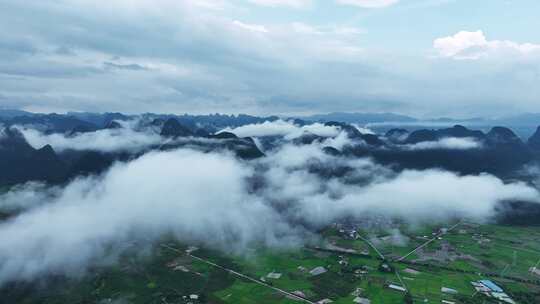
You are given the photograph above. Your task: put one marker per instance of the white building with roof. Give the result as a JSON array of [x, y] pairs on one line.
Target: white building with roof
[[397, 287], [318, 271]]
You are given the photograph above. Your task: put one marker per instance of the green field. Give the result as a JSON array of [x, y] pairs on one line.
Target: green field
[[170, 276]]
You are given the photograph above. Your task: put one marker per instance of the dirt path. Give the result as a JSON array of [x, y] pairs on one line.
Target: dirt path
[[428, 242]]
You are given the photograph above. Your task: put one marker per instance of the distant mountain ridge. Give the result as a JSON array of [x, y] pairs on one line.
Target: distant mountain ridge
[[360, 118], [8, 113], [83, 121], [101, 119]]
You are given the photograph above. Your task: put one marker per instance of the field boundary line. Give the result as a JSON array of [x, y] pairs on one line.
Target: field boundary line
[[241, 275]]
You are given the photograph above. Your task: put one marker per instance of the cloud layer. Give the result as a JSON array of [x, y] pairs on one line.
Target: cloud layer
[[275, 201], [474, 45], [449, 143], [134, 201], [369, 3], [287, 3], [283, 128], [233, 56], [125, 138]]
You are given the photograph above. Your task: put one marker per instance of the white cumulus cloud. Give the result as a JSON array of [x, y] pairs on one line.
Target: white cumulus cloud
[[287, 3], [475, 45], [450, 143], [283, 128], [251, 27], [106, 140], [369, 3]]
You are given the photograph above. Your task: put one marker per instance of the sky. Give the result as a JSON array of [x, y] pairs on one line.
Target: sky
[[423, 58]]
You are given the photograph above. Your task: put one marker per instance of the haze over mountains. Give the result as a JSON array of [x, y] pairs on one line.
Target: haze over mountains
[[78, 142], [524, 124]]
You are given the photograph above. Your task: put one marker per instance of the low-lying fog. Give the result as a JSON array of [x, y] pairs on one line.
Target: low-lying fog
[[221, 201]]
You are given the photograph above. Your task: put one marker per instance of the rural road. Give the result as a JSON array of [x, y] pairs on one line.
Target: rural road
[[241, 275]]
